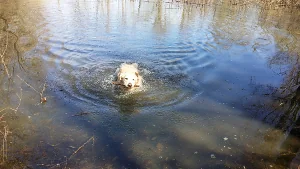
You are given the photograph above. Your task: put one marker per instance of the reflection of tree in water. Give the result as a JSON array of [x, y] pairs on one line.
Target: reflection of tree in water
[[285, 110], [286, 97], [282, 110]]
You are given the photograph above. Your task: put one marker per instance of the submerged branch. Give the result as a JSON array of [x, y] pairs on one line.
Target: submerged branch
[[75, 152], [92, 138], [4, 142], [42, 99], [2, 56]]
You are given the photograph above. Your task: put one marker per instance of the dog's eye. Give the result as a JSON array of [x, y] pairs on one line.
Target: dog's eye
[[133, 79], [126, 78]]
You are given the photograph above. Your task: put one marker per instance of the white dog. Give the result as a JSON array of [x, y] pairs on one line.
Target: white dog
[[128, 76]]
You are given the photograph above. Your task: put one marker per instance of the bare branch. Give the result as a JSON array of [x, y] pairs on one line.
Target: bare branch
[[92, 138], [2, 56], [42, 99]]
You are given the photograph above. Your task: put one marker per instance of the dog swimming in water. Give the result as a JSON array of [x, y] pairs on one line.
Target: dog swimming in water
[[128, 76]]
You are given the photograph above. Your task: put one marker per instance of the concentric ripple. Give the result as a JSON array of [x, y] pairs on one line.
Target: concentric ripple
[[92, 84], [87, 51]]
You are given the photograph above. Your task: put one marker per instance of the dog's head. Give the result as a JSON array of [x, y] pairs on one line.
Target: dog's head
[[129, 80]]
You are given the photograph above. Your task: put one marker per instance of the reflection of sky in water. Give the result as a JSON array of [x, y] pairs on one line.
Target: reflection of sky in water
[[204, 69]]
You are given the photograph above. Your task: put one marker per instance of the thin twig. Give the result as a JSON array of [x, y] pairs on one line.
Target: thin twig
[[42, 92], [43, 99], [2, 56], [4, 143], [92, 138], [28, 84], [6, 131], [3, 148], [20, 100], [66, 162], [13, 109], [81, 114], [4, 113]]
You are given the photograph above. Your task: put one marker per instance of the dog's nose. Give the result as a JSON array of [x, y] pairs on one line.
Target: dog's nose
[[129, 85]]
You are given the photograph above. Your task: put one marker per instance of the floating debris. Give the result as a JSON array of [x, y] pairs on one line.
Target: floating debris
[[225, 138], [81, 114], [43, 100], [212, 156]]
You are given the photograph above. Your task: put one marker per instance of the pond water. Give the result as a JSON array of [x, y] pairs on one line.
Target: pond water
[[220, 84]]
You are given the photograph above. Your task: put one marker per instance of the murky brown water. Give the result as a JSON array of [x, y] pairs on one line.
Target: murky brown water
[[221, 85]]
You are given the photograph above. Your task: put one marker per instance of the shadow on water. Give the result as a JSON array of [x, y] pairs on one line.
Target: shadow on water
[[221, 85]]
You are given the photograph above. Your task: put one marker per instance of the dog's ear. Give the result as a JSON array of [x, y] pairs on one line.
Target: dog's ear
[[135, 65], [137, 74], [120, 76]]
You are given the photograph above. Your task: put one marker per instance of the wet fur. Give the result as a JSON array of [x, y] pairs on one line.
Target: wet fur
[[128, 74]]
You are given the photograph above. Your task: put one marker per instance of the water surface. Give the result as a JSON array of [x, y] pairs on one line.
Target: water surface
[[220, 84]]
